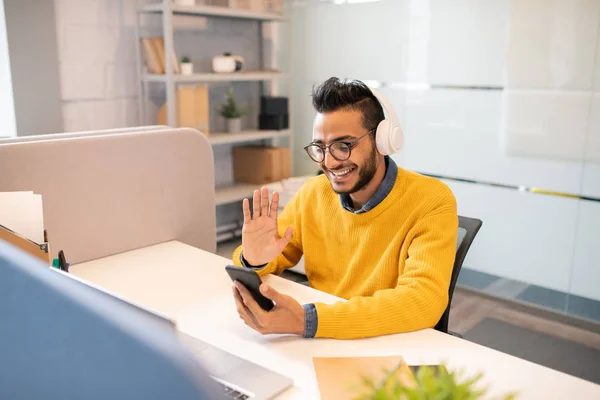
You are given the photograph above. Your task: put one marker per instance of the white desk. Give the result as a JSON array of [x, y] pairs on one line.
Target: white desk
[[192, 287]]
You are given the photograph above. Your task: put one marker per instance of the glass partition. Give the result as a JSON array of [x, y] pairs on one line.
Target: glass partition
[[499, 99]]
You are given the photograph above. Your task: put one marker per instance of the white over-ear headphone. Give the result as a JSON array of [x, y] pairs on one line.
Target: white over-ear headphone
[[389, 136]]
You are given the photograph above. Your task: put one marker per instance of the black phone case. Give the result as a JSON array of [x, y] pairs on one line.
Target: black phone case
[[251, 281]]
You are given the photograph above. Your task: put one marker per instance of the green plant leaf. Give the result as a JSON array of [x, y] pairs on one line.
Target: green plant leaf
[[230, 108], [431, 383]]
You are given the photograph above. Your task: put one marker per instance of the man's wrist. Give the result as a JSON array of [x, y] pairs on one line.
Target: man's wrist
[[247, 264], [311, 320]]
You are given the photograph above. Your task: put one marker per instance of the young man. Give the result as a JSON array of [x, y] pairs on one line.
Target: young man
[[379, 236]]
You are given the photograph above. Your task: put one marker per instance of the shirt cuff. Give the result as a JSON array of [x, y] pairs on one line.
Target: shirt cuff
[[246, 265], [311, 321]]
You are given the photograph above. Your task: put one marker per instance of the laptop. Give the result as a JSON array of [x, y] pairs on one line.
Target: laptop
[[236, 377]]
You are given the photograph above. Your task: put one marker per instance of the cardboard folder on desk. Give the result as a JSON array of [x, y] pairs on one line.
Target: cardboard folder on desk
[[22, 223], [342, 378]]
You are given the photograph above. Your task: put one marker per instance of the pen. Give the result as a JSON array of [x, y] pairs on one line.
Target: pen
[[64, 266]]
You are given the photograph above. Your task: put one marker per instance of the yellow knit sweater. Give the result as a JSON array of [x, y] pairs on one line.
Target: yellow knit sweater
[[393, 263]]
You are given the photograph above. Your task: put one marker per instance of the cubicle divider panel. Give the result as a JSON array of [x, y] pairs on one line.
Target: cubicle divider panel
[[106, 194]]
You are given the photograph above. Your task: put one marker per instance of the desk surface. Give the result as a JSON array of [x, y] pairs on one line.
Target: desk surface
[[191, 286]]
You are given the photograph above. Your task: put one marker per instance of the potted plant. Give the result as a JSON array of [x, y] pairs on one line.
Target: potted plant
[[187, 68], [232, 112], [428, 382]]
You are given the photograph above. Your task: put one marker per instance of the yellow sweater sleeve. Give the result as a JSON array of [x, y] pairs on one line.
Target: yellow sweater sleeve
[[290, 216], [420, 297]]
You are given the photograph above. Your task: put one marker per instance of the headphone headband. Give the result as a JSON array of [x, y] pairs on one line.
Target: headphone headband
[[389, 136], [388, 110]]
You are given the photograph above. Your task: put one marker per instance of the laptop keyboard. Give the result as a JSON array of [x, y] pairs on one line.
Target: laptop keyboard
[[233, 394]]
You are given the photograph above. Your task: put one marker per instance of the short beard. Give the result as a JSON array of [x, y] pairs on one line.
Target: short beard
[[365, 174]]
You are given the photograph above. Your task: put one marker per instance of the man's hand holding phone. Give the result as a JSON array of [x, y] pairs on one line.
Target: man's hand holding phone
[[263, 308], [286, 317]]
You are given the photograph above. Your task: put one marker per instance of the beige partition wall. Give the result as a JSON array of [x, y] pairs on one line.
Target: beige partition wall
[[107, 194], [66, 135]]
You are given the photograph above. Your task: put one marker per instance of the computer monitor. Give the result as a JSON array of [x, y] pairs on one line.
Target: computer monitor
[[63, 340]]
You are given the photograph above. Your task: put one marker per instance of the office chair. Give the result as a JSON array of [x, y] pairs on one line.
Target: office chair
[[467, 230]]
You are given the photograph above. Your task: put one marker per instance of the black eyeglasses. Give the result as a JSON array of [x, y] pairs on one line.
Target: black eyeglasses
[[339, 150]]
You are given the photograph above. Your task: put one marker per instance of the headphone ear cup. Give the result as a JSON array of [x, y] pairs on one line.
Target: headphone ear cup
[[382, 137], [396, 140]]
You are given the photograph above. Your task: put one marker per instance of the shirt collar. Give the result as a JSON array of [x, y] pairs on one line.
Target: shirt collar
[[391, 171]]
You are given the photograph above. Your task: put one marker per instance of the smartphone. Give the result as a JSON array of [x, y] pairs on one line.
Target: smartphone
[[251, 281]]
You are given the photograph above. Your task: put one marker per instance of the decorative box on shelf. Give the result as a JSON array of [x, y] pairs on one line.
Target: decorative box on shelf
[[274, 6], [261, 164], [274, 113]]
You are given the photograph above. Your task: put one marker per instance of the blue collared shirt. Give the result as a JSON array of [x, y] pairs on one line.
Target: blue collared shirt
[[311, 320], [391, 171]]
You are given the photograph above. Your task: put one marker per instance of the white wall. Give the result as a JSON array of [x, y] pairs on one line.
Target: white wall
[[515, 100], [31, 36], [97, 55], [97, 59], [7, 107]]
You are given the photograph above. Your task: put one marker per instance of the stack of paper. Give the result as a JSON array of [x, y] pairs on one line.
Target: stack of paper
[[22, 212], [22, 223]]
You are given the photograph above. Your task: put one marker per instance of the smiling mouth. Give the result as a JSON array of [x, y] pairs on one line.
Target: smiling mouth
[[342, 172]]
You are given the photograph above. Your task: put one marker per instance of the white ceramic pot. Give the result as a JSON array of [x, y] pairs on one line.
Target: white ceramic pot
[[227, 63], [234, 125], [187, 68]]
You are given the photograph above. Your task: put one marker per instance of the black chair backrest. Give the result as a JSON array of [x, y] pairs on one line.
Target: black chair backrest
[[467, 230]]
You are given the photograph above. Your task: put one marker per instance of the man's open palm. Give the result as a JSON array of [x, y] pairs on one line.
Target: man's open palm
[[260, 237]]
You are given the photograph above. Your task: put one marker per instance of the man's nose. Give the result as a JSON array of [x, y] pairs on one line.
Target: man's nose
[[330, 162]]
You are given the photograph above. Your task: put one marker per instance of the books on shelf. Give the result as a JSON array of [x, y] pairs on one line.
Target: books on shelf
[[153, 64], [154, 55], [191, 104]]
